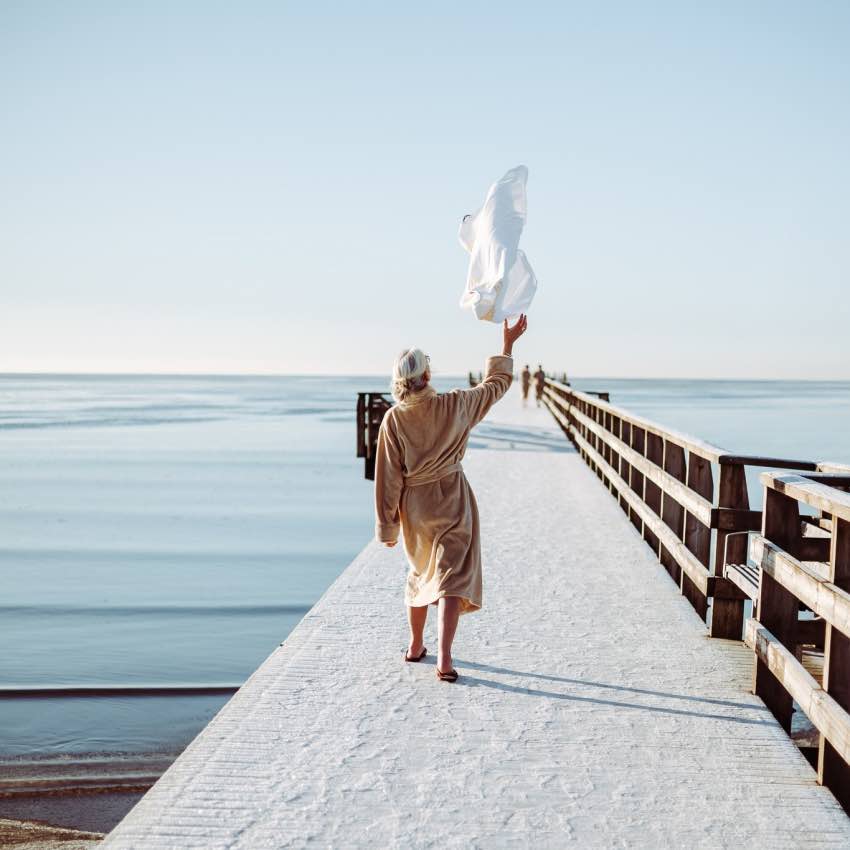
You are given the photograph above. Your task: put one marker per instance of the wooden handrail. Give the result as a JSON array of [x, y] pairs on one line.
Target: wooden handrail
[[663, 480], [808, 584], [789, 581], [811, 491], [650, 467], [700, 447]]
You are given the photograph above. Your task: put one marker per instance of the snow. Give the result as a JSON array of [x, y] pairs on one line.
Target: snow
[[592, 709]]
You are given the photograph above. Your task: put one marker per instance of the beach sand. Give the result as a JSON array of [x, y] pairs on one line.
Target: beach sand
[[30, 835], [75, 793]]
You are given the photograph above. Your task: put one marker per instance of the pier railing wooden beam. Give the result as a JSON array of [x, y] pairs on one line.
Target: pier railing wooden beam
[[371, 408], [789, 581], [664, 480]]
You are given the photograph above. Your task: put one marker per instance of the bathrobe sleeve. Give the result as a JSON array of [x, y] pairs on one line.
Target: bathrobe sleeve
[[388, 483], [498, 374]]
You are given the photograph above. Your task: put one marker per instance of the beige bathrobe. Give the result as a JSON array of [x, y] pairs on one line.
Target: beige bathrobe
[[421, 490]]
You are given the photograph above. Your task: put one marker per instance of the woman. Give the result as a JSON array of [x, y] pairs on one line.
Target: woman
[[420, 490]]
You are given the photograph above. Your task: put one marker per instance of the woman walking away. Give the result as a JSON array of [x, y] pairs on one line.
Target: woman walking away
[[420, 490], [526, 383]]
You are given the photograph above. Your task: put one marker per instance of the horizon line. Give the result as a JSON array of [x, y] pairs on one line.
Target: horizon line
[[86, 374]]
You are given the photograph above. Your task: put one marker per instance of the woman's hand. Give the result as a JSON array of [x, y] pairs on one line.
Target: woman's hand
[[511, 334]]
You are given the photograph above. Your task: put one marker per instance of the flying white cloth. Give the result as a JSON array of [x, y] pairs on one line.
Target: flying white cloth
[[500, 283]]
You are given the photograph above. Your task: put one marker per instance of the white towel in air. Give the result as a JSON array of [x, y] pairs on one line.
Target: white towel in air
[[500, 283]]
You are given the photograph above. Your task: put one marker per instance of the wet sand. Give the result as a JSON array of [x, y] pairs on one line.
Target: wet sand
[[29, 835], [80, 792]]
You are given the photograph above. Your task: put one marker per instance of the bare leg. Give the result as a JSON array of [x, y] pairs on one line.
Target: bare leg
[[448, 613], [416, 618]]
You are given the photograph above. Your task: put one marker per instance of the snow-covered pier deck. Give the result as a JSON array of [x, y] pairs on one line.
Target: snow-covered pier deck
[[592, 709]]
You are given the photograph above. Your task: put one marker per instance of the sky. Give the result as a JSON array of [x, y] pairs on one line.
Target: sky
[[274, 187]]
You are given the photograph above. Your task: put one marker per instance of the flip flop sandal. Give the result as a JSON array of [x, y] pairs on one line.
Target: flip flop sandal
[[419, 658], [451, 676]]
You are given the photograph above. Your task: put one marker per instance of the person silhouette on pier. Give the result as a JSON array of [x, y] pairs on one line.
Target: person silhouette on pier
[[422, 493], [526, 383], [539, 383]]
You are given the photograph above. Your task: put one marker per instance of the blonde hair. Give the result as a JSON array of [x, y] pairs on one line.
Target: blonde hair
[[409, 373]]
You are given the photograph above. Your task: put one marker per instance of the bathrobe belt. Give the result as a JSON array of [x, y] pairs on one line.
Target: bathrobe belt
[[429, 477]]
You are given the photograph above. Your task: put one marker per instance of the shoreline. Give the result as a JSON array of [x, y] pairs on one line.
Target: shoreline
[[87, 793], [35, 835]]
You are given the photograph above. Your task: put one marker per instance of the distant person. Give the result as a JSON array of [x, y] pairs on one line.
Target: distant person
[[472, 381], [539, 383], [421, 491], [526, 383]]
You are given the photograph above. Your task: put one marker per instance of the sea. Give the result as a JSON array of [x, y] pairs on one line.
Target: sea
[[161, 535]]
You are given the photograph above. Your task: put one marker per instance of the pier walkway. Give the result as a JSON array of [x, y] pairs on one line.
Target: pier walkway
[[593, 710]]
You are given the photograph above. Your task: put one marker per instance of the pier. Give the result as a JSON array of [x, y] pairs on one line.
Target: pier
[[647, 643]]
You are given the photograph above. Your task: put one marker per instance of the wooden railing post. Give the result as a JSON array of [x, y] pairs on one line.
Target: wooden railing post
[[727, 610], [833, 771], [636, 478], [698, 535], [777, 607], [361, 425], [652, 492], [672, 512], [625, 469]]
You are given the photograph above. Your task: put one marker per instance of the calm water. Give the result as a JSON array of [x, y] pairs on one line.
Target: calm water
[[158, 531]]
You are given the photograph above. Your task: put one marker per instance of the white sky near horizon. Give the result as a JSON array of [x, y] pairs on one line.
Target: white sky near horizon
[[276, 187]]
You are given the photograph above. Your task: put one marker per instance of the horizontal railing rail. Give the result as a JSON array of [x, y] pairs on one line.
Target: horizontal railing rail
[[664, 480], [803, 564]]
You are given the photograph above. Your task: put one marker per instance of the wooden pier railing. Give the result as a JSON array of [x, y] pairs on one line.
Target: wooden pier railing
[[801, 569], [371, 408], [665, 482], [689, 501], [795, 570]]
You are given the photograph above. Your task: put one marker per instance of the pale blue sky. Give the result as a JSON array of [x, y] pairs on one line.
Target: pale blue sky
[[276, 187]]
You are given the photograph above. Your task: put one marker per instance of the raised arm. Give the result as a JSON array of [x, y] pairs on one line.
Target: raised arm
[[498, 375], [388, 484]]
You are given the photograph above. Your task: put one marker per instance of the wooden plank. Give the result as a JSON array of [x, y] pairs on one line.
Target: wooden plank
[[735, 519], [812, 589], [833, 768], [777, 606], [636, 478], [839, 481], [826, 714], [697, 573], [811, 632], [814, 548], [772, 462], [812, 493], [743, 579], [652, 492], [672, 512], [829, 466], [727, 614], [697, 533]]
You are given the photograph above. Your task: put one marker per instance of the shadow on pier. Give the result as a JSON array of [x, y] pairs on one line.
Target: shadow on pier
[[471, 681], [500, 437]]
